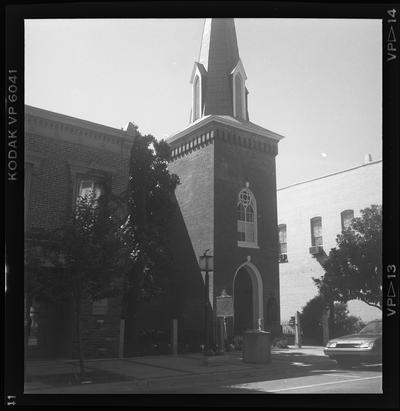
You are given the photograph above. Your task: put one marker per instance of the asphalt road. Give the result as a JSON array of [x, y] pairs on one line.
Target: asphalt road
[[365, 379]]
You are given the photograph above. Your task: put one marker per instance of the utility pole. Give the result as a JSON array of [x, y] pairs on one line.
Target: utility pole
[[297, 327]]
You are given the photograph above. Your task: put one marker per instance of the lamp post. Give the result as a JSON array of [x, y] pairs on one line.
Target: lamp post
[[206, 263]]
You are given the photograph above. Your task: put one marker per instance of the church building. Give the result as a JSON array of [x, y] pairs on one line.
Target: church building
[[227, 195], [226, 213]]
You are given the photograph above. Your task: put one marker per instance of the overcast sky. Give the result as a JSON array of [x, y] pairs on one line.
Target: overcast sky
[[316, 82]]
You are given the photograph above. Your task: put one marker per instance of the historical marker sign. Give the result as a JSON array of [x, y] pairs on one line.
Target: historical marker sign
[[224, 305]]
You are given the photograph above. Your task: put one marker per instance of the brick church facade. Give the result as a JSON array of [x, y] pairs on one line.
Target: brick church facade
[[227, 195], [226, 204]]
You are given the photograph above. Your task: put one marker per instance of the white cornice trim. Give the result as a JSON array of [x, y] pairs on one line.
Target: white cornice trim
[[76, 123], [229, 121]]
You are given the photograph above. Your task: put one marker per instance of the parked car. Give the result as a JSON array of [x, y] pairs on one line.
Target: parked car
[[365, 346]]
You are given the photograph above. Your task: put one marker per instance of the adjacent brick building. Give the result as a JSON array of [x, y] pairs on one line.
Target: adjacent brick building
[[63, 155], [312, 213]]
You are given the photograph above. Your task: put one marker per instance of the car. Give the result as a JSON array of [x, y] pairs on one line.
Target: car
[[364, 346]]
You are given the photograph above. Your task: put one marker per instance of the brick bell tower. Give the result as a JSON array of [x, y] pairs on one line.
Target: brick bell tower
[[227, 195]]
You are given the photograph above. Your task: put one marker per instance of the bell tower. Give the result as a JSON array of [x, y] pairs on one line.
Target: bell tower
[[227, 195]]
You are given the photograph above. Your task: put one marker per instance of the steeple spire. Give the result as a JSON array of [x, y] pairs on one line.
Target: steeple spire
[[218, 77]]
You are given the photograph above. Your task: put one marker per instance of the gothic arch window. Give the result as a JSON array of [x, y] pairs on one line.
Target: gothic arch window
[[238, 96], [239, 91], [247, 219], [196, 98]]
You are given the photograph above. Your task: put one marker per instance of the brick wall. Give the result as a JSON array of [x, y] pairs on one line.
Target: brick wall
[[234, 167], [52, 183], [212, 175], [58, 149], [327, 197]]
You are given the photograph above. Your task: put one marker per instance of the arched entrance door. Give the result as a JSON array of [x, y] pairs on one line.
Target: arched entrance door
[[247, 298], [243, 302]]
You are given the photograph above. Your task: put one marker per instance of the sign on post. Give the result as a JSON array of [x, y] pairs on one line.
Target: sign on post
[[224, 305]]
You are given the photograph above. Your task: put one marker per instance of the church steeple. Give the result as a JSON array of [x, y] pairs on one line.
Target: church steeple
[[218, 77]]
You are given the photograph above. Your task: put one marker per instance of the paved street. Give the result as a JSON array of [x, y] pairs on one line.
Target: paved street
[[327, 382], [291, 371]]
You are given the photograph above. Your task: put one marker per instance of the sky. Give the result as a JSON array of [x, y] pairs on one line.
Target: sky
[[317, 82]]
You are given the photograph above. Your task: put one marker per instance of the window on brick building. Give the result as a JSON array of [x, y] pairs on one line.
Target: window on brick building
[[282, 243], [316, 231], [87, 185], [346, 217], [247, 219]]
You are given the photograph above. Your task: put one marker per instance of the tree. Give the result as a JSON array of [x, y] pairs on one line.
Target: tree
[[353, 270], [79, 260], [311, 319], [90, 255], [345, 324], [150, 206]]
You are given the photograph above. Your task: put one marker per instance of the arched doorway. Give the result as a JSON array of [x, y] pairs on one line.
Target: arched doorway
[[247, 298], [243, 302]]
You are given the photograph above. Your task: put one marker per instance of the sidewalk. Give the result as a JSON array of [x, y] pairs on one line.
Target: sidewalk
[[141, 374]]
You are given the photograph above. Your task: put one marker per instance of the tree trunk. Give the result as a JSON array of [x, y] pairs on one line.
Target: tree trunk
[[78, 335], [130, 323], [331, 320]]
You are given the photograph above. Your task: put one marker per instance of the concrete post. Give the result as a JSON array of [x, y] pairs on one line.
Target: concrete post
[[221, 333]]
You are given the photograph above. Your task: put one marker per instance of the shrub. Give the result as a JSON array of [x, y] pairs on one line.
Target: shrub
[[311, 320]]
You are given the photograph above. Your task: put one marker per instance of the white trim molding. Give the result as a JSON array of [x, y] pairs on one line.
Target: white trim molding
[[228, 121], [198, 72]]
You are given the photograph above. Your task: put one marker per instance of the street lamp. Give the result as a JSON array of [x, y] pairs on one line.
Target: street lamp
[[206, 263]]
